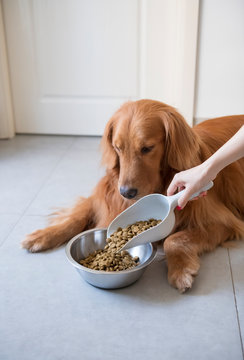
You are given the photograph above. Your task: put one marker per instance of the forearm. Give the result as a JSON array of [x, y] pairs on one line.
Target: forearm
[[231, 151]]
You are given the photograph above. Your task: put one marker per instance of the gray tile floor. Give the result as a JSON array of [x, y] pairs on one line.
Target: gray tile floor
[[48, 312]]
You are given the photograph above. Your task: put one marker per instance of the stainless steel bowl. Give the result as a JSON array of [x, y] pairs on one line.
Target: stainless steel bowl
[[87, 242]]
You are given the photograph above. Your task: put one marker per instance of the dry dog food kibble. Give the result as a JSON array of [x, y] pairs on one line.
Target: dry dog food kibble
[[111, 260]]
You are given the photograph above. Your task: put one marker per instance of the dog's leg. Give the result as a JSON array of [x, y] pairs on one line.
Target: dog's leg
[[182, 251], [76, 220]]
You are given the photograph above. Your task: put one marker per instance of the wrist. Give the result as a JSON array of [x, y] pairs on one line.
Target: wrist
[[210, 169]]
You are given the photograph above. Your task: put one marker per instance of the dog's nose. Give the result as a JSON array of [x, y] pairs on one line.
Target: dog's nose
[[128, 193]]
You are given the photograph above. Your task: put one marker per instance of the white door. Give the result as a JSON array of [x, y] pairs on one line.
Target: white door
[[74, 62]]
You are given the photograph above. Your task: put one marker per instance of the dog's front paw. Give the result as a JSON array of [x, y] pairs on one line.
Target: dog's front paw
[[181, 279], [37, 241]]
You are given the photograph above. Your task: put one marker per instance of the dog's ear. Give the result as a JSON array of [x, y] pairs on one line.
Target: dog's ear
[[182, 148], [109, 155]]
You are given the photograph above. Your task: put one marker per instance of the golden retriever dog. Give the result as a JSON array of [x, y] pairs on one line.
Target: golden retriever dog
[[144, 144]]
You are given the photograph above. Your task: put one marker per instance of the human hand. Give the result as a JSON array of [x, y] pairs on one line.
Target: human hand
[[192, 181]]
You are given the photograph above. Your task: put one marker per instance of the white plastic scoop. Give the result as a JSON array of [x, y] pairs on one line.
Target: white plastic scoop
[[155, 206]]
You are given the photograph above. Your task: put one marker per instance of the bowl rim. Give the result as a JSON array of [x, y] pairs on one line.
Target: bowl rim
[[102, 272]]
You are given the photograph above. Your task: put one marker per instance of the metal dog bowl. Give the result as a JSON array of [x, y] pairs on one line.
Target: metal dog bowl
[[87, 242]]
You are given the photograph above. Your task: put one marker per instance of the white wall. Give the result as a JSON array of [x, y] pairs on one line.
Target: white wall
[[220, 69]]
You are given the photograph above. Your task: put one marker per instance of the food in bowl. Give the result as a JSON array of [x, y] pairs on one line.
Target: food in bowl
[[110, 258], [85, 243]]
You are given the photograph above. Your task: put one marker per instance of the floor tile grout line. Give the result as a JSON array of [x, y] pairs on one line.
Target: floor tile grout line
[[11, 229], [38, 191], [17, 222], [236, 306], [9, 213]]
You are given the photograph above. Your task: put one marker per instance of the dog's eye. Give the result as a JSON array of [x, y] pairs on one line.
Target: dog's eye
[[145, 150]]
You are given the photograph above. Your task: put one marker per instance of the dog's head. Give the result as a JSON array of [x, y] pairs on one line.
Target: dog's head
[[145, 142]]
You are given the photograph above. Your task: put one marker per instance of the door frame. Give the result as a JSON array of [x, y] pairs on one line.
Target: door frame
[[7, 126]]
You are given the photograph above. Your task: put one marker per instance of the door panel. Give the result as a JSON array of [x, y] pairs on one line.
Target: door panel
[[91, 46], [74, 62]]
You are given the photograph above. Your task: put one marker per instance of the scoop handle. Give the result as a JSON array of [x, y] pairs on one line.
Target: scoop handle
[[205, 188], [173, 200]]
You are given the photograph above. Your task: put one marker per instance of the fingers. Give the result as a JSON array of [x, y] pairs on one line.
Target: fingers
[[183, 200], [177, 185], [172, 188], [184, 181], [202, 194], [174, 185]]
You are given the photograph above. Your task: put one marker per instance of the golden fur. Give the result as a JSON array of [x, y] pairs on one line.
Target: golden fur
[[201, 226]]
